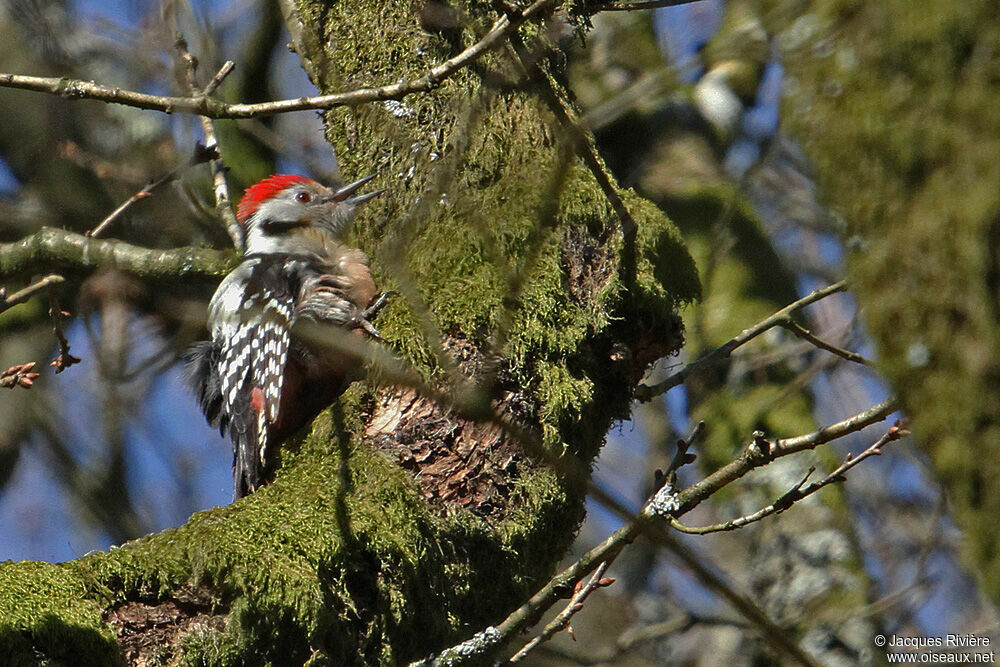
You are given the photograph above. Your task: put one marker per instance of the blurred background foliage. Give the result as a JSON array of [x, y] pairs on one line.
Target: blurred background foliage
[[793, 142]]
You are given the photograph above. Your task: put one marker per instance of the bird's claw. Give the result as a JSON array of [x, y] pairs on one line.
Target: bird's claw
[[370, 329], [378, 304], [369, 313]]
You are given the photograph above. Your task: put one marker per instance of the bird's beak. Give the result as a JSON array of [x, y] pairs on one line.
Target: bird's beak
[[344, 194]]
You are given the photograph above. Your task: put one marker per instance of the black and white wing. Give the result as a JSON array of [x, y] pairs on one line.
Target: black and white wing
[[252, 313]]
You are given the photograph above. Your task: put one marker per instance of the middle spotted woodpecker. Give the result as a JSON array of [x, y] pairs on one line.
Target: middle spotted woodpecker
[[259, 378]]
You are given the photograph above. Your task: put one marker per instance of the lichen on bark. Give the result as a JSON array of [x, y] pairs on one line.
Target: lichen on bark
[[346, 557]]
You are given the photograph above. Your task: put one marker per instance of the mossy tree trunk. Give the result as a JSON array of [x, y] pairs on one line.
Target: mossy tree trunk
[[395, 528]]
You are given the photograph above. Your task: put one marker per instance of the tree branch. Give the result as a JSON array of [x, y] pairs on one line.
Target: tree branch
[[49, 247], [561, 621], [223, 199], [799, 491], [201, 154], [761, 452], [31, 290], [208, 106], [808, 336], [665, 504], [645, 392]]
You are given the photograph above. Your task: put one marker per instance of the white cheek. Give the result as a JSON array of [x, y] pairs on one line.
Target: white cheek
[[260, 243]]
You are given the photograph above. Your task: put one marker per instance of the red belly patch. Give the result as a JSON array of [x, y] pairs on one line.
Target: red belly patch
[[257, 400]]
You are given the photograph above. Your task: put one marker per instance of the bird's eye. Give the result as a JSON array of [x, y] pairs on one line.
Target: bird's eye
[[303, 197]]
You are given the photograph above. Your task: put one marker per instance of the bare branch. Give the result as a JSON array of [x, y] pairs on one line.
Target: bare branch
[[664, 504], [645, 392], [681, 457], [220, 76], [561, 621], [205, 105], [223, 198], [761, 452], [528, 614], [117, 213], [799, 491], [816, 341], [49, 247], [201, 155], [31, 290]]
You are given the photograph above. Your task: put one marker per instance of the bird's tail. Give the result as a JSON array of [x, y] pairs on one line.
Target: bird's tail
[[201, 363], [243, 423], [249, 433]]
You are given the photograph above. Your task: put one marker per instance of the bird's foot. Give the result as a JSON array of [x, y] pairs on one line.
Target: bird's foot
[[370, 329], [378, 304], [364, 318]]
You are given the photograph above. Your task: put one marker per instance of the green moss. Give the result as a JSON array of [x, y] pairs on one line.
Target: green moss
[[489, 209], [341, 545], [45, 610]]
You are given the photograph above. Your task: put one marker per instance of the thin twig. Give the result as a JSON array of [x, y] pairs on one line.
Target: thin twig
[[806, 335], [761, 451], [201, 155], [645, 392], [146, 191], [636, 6], [205, 105], [65, 359], [31, 290], [799, 491], [219, 77], [681, 457], [666, 502], [223, 198], [561, 621]]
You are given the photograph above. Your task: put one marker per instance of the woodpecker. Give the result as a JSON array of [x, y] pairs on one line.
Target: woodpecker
[[259, 378]]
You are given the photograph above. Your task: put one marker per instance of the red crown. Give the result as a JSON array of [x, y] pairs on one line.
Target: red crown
[[263, 190]]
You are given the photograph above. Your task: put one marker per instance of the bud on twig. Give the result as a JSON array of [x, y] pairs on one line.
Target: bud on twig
[[18, 376]]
